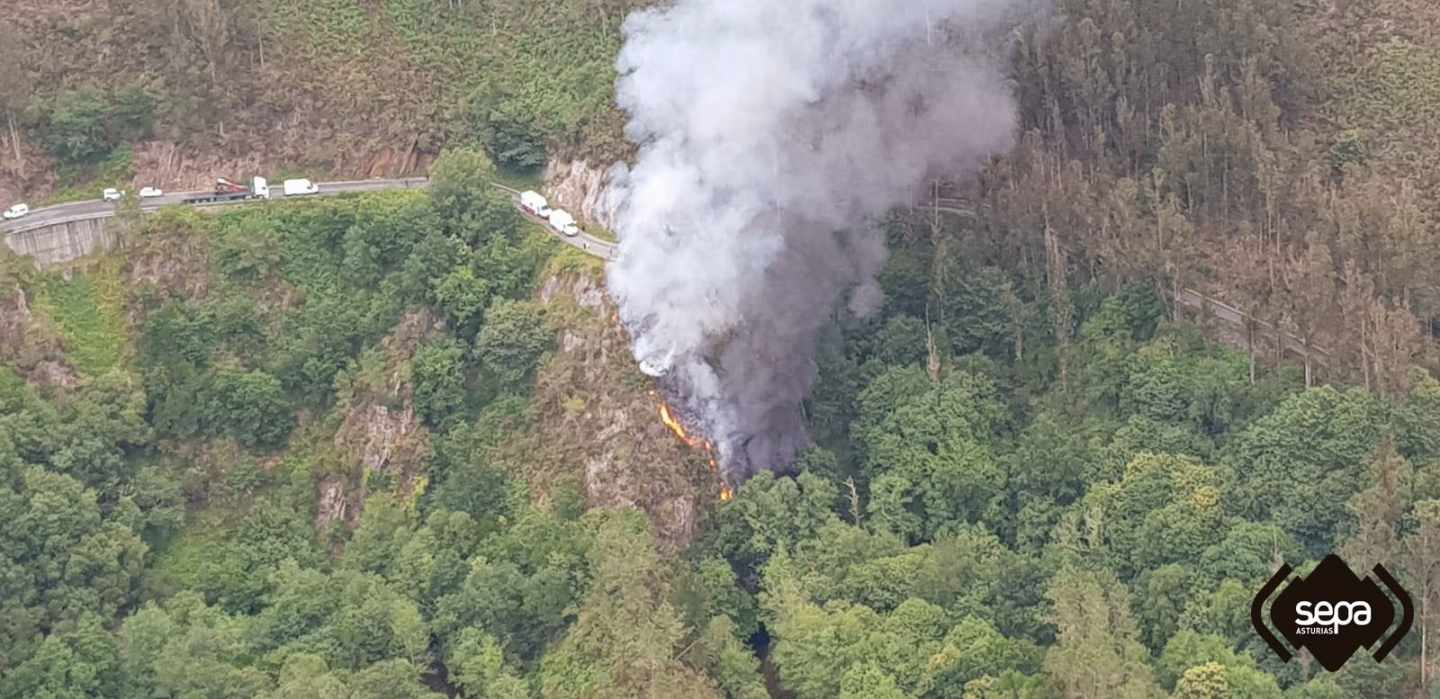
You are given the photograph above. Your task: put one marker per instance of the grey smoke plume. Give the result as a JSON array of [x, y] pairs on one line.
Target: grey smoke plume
[[770, 134]]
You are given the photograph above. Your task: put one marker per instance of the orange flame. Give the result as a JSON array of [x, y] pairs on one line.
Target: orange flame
[[695, 442], [674, 424]]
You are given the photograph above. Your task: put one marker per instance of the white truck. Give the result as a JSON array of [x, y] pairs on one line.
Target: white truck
[[563, 222], [295, 188], [226, 190], [535, 204]]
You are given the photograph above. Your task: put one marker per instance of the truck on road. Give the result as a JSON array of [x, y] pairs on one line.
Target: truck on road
[[535, 204], [295, 188], [563, 222], [225, 190]]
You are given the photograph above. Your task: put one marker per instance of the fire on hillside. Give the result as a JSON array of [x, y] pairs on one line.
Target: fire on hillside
[[695, 442]]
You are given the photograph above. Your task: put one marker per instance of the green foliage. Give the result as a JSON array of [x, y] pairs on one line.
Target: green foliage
[[552, 80], [84, 125], [438, 372], [1417, 416], [521, 586], [478, 665], [71, 663], [910, 650], [513, 341], [1204, 682], [80, 181], [978, 309], [926, 454], [64, 558], [720, 653], [627, 633], [1164, 510], [1310, 451], [252, 407], [1096, 652], [1235, 672], [466, 474], [499, 120], [771, 514], [709, 591], [353, 620], [1075, 499], [460, 183], [89, 312]]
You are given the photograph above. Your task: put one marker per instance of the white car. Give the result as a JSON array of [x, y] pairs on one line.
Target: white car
[[16, 211], [112, 194], [150, 192]]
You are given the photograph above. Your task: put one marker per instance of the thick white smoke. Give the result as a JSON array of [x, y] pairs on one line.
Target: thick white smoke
[[770, 134]]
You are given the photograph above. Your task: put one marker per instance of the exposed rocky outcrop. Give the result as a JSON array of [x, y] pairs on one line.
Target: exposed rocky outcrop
[[600, 419], [580, 187], [32, 171], [29, 343], [380, 433], [332, 505], [174, 166], [168, 261]]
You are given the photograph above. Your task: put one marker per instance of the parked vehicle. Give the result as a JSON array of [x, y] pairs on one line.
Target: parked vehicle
[[112, 194], [16, 211], [150, 192], [563, 222], [225, 190], [295, 188], [535, 204]]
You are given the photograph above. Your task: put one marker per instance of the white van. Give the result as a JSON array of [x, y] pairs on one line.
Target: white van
[[16, 211], [535, 204], [563, 222], [295, 188]]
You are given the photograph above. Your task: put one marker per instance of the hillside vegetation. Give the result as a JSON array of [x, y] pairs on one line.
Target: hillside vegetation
[[178, 92], [395, 445]]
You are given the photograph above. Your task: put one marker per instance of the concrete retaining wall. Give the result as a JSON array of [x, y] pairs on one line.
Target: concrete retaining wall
[[61, 242]]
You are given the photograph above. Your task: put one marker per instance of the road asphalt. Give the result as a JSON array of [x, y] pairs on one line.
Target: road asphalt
[[96, 208]]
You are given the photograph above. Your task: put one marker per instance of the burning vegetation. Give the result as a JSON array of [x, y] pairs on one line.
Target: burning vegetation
[[696, 442]]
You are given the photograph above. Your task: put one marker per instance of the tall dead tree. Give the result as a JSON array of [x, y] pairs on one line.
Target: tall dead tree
[[1055, 264], [14, 88]]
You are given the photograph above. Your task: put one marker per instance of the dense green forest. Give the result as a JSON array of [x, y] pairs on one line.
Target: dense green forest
[[309, 449]]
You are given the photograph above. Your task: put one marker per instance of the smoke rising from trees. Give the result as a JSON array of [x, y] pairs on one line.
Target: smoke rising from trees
[[770, 135]]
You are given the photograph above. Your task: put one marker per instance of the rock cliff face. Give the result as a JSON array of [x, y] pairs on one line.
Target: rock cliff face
[[30, 342], [170, 262], [381, 432], [580, 187], [600, 419]]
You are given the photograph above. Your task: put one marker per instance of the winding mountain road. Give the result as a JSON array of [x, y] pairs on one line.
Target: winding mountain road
[[585, 242], [590, 245], [96, 209]]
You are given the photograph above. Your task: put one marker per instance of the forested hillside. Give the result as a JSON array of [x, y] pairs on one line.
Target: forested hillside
[[394, 445], [178, 92]]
